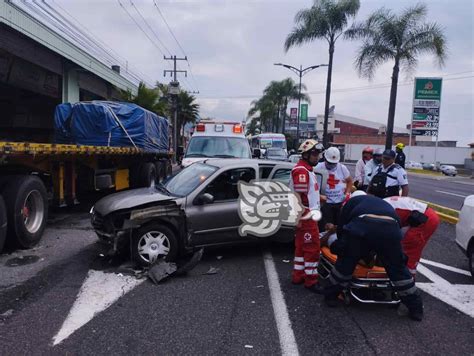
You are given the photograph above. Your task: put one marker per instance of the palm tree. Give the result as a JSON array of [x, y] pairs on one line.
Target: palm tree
[[188, 110], [252, 127], [150, 99], [402, 38], [265, 107], [326, 19], [282, 92]]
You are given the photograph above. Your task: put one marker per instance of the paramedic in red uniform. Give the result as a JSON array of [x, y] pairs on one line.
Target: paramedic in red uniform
[[422, 221], [303, 181]]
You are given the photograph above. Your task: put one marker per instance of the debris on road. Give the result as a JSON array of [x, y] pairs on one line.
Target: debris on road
[[22, 260], [248, 346], [286, 261], [212, 270], [7, 313], [219, 257], [161, 270]]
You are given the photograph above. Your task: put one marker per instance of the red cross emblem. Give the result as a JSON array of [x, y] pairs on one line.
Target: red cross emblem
[[307, 237], [332, 181]]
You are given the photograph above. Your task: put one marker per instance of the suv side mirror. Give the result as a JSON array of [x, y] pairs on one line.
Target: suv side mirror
[[205, 198], [256, 153]]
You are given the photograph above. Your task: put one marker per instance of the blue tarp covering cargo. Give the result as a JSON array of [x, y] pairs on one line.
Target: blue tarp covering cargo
[[105, 123]]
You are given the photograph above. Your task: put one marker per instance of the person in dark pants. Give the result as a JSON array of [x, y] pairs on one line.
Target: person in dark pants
[[368, 225], [400, 159]]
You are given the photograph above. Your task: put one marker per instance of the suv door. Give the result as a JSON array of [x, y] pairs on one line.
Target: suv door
[[218, 222]]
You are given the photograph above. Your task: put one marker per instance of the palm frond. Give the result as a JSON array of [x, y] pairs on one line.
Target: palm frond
[[427, 38]]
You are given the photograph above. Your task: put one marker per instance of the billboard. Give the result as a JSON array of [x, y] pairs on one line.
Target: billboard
[[426, 105], [304, 112]]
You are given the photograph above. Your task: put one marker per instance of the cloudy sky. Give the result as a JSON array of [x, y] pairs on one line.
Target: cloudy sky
[[232, 45]]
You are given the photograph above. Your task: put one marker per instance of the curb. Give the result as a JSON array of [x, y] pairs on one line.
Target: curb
[[451, 216]]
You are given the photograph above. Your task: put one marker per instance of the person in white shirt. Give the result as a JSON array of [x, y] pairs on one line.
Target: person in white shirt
[[360, 167], [338, 186], [371, 168]]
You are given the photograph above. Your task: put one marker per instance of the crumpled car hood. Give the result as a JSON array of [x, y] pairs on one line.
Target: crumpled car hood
[[130, 199]]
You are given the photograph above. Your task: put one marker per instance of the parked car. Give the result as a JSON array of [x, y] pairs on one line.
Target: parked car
[[294, 158], [276, 154], [465, 230], [413, 165], [196, 207], [448, 170], [428, 166]]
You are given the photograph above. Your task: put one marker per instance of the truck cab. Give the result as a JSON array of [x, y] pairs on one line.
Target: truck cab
[[216, 139]]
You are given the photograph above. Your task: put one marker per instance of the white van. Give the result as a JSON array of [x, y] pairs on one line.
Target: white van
[[216, 139]]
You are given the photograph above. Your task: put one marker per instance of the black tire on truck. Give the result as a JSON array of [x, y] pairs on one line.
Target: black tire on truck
[[3, 223], [26, 201], [148, 176], [160, 171]]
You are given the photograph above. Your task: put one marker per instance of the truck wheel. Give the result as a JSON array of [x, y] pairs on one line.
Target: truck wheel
[[27, 209], [148, 175], [153, 242], [3, 223], [160, 171]]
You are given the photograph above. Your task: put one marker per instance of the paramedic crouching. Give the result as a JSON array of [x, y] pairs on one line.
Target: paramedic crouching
[[388, 178], [370, 225]]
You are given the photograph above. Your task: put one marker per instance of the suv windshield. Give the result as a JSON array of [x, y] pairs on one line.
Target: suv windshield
[[206, 146], [189, 179]]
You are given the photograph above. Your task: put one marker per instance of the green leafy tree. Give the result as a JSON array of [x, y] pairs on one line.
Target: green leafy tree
[[188, 110], [326, 19], [398, 38]]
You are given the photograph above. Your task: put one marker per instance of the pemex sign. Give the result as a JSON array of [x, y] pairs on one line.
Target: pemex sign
[[426, 105]]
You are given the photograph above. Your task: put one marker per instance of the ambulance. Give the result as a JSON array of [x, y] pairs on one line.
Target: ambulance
[[216, 139]]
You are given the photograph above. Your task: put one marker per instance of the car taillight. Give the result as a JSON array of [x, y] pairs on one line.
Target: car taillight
[[200, 128], [237, 129]]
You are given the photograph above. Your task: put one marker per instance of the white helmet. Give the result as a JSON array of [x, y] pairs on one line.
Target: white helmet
[[332, 155], [358, 193]]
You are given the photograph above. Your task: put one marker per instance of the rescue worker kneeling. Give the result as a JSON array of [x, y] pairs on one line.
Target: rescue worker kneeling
[[370, 225], [304, 182], [422, 221]]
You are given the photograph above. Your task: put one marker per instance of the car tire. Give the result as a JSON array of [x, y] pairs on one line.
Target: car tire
[[148, 176], [26, 202], [3, 223], [161, 237]]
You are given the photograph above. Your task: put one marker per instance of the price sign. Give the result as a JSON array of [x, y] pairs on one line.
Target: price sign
[[426, 104]]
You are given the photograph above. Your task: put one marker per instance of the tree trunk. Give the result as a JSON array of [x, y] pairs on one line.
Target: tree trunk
[[393, 103], [328, 96], [284, 116]]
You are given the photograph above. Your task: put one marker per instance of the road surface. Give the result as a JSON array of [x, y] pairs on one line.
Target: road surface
[[68, 299]]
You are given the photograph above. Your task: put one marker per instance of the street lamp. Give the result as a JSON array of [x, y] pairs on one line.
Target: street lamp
[[300, 72]]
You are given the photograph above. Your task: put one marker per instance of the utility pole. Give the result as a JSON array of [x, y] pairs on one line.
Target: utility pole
[[300, 72], [174, 91]]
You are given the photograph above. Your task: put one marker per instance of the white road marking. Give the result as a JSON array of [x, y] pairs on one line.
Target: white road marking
[[285, 331], [449, 193], [446, 267], [98, 292], [459, 296]]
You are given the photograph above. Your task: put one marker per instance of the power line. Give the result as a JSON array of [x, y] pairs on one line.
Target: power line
[[97, 41], [177, 42], [151, 29], [141, 28], [340, 90]]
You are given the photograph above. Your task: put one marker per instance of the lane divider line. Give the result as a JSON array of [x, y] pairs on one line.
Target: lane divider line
[[445, 267], [449, 193], [288, 344]]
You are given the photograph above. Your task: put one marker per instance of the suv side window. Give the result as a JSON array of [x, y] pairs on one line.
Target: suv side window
[[224, 187]]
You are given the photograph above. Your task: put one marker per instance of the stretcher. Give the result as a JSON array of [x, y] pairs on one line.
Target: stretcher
[[369, 285]]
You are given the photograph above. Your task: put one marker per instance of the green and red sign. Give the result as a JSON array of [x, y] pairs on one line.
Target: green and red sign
[[426, 104]]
